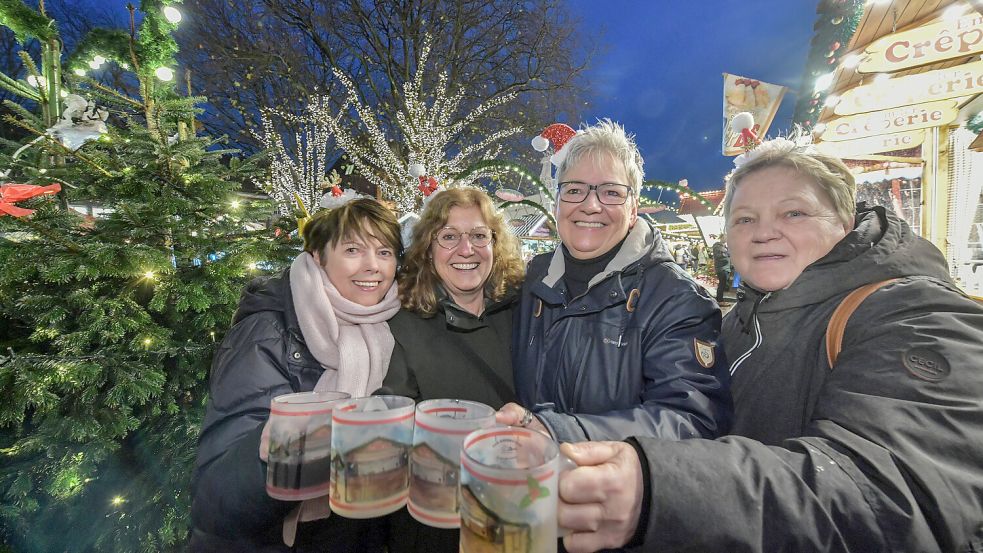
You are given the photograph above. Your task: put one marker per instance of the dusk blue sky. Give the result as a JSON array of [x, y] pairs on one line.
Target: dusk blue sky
[[659, 72]]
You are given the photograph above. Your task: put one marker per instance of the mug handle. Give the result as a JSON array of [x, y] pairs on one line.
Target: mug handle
[[566, 464]]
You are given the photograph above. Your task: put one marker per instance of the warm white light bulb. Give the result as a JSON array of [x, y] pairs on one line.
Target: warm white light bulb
[[94, 64], [172, 15], [823, 82], [64, 93], [80, 72], [99, 60], [953, 13], [164, 73]]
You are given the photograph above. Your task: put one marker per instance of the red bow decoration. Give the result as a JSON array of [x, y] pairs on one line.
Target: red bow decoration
[[748, 138], [11, 193], [336, 191], [428, 185]]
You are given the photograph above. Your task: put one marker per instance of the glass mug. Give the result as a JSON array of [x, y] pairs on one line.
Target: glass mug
[[441, 426], [370, 446], [299, 463], [509, 491]]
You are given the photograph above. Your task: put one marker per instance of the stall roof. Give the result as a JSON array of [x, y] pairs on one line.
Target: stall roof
[[688, 205], [875, 21]]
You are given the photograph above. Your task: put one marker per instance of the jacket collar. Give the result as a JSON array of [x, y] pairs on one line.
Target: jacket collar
[[460, 318], [637, 245]]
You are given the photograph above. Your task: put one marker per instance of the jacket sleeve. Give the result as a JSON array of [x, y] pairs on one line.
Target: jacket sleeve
[[892, 459], [681, 396], [230, 497]]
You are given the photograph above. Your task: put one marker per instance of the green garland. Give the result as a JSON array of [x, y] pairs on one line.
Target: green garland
[[156, 46], [678, 189], [112, 44], [835, 28], [975, 124], [25, 22]]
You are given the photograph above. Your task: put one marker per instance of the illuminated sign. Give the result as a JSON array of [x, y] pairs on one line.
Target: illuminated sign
[[908, 118], [873, 144], [941, 84], [929, 44]]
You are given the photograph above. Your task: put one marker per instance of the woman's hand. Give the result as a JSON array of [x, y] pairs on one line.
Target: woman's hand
[[264, 442], [601, 500], [513, 414]]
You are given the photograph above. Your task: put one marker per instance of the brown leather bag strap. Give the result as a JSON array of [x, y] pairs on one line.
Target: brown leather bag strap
[[837, 323]]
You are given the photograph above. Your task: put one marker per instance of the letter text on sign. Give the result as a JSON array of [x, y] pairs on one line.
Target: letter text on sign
[[919, 116], [923, 45]]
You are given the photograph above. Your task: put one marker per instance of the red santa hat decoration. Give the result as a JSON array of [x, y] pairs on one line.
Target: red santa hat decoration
[[743, 124], [557, 135], [428, 185]]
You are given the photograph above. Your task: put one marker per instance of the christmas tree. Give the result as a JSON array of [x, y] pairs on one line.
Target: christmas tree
[[109, 311]]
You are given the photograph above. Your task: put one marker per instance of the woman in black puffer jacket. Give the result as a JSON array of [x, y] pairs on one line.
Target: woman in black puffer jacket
[[291, 334]]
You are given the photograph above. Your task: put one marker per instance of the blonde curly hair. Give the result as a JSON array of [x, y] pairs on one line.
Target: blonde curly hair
[[418, 278]]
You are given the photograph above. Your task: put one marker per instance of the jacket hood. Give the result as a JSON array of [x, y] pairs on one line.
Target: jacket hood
[[269, 293], [642, 245], [881, 246]]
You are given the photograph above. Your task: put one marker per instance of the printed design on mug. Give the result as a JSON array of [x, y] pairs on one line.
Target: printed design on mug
[[371, 472], [370, 457], [434, 483], [536, 491], [483, 530]]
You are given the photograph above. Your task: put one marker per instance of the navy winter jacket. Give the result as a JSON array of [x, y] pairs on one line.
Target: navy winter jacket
[[638, 354]]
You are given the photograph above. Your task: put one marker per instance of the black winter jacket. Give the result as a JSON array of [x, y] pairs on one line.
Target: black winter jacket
[[883, 452], [262, 356], [452, 355], [637, 354]]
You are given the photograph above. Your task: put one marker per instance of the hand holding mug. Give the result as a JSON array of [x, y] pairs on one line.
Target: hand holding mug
[[513, 414], [601, 500]]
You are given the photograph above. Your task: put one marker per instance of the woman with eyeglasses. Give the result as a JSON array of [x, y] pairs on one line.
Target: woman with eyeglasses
[[612, 338], [453, 334]]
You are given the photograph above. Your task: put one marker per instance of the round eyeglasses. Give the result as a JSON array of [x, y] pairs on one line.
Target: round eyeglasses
[[608, 193], [449, 237]]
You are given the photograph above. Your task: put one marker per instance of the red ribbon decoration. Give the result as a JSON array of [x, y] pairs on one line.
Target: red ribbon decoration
[[428, 185], [11, 193], [336, 191]]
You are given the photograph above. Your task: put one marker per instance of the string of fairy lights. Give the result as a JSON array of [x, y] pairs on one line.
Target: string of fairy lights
[[163, 73], [426, 127], [302, 174]]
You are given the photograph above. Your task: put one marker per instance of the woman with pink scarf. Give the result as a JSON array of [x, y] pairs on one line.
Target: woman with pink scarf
[[320, 325]]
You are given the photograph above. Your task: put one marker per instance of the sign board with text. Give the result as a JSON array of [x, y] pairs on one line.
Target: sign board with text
[[873, 144], [908, 118], [923, 45], [941, 84]]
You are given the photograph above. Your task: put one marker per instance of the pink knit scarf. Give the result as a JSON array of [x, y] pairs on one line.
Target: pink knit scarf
[[351, 341]]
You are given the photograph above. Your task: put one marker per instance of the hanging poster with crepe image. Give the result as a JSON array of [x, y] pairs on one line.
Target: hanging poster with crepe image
[[758, 98]]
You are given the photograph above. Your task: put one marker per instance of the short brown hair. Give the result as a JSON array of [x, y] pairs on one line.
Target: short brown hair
[[364, 216], [418, 278], [829, 173]]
